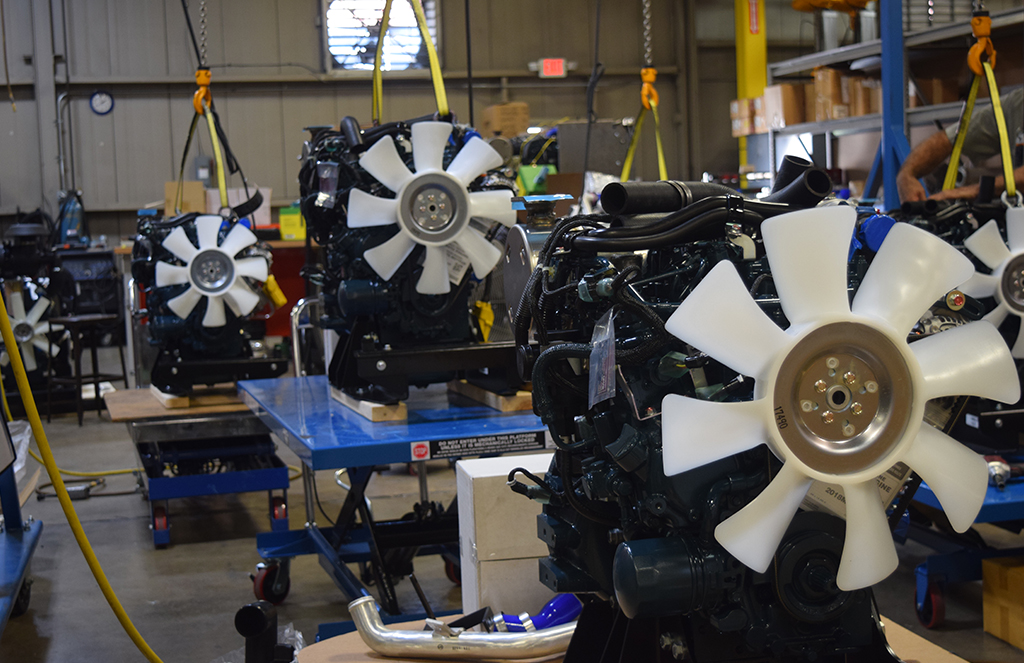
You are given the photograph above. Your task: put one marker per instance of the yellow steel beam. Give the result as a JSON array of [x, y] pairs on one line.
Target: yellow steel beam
[[751, 57]]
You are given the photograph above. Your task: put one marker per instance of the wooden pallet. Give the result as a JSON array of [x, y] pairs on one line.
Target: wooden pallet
[[216, 395], [517, 402], [375, 412]]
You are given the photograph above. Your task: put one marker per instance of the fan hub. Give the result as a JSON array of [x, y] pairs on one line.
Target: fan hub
[[23, 332], [212, 271], [433, 208], [843, 398], [1012, 284]]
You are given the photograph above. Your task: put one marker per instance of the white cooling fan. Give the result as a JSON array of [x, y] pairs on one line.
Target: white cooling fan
[[1006, 283], [431, 207], [840, 395], [212, 271], [29, 331]]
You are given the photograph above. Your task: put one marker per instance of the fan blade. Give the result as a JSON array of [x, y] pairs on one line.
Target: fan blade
[[428, 141], [695, 433], [1015, 229], [869, 554], [17, 301], [214, 316], [1018, 346], [957, 475], [496, 205], [971, 360], [365, 210], [207, 229], [44, 328], [987, 244], [5, 359], [483, 254], [43, 346], [254, 268], [752, 535], [997, 315], [168, 274], [241, 299], [720, 318], [807, 251], [183, 304], [434, 279], [238, 238], [386, 258], [382, 161], [912, 269], [180, 245], [474, 159], [28, 356], [980, 285], [37, 311]]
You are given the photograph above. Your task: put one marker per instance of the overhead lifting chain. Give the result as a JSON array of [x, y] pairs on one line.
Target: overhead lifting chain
[[648, 102], [981, 58], [202, 33]]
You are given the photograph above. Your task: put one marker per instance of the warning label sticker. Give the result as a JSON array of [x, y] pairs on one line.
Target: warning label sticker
[[458, 262], [478, 446]]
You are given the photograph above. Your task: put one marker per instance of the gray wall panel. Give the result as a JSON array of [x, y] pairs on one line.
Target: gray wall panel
[[19, 172]]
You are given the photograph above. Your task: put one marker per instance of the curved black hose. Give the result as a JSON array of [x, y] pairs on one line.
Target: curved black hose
[[563, 461], [764, 209], [350, 128], [705, 226], [792, 167], [543, 400], [807, 190], [661, 196]]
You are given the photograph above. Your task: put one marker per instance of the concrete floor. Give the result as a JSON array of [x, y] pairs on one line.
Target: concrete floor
[[183, 599]]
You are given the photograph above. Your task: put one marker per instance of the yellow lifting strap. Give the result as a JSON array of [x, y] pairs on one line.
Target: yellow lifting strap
[[201, 102], [981, 26], [649, 101], [435, 64]]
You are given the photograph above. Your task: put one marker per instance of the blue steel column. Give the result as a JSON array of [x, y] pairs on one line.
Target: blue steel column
[[894, 147]]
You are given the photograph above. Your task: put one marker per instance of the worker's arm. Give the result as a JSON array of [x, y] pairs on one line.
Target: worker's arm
[[971, 191], [922, 160]]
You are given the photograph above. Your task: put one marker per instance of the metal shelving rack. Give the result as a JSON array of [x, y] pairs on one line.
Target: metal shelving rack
[[894, 119]]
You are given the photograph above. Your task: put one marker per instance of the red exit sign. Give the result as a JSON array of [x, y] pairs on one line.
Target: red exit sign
[[552, 68]]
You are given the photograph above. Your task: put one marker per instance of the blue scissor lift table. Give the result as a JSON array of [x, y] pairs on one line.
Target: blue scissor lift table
[[959, 558], [18, 539], [328, 435]]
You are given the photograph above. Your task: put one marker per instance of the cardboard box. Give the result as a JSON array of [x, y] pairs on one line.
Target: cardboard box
[[759, 119], [193, 198], [1003, 598], [939, 90], [511, 119], [293, 225], [742, 126], [828, 92], [784, 105], [498, 540], [236, 196], [860, 97], [875, 88], [809, 98], [740, 108]]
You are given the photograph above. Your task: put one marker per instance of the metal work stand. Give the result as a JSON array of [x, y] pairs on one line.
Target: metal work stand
[[958, 558], [201, 450], [327, 435], [18, 541]]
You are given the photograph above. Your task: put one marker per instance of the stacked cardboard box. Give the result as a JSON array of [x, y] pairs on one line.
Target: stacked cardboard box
[[509, 120], [784, 105], [741, 114], [498, 540], [1003, 598]]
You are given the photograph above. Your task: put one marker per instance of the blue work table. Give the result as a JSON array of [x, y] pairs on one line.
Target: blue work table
[[18, 541], [326, 434], [959, 558]]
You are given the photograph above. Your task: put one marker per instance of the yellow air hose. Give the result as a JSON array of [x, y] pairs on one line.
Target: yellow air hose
[[62, 491]]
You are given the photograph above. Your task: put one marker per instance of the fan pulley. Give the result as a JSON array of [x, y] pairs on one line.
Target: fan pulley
[[839, 396], [212, 271], [1006, 282], [432, 207]]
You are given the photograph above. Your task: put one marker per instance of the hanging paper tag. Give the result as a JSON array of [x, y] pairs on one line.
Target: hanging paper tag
[[458, 262], [327, 172], [602, 360]]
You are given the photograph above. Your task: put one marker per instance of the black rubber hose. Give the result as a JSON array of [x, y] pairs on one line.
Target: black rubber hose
[[706, 226], [805, 191], [353, 134], [986, 190], [543, 400], [927, 207], [792, 167], [691, 212], [662, 196], [589, 510]]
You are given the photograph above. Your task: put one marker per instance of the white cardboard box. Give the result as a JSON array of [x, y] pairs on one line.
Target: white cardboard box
[[498, 535]]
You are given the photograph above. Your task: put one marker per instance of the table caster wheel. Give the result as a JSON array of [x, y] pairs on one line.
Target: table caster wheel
[[453, 571], [931, 611], [20, 606], [271, 582]]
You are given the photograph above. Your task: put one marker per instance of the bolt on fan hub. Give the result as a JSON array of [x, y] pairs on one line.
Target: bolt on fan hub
[[433, 208], [843, 398], [1012, 286], [212, 271]]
